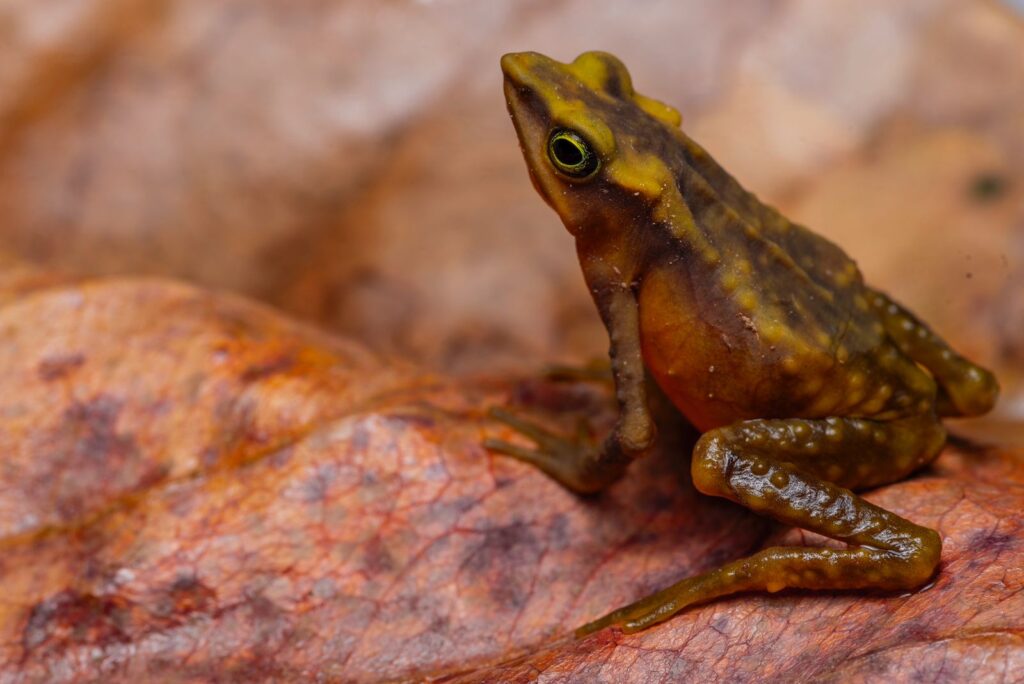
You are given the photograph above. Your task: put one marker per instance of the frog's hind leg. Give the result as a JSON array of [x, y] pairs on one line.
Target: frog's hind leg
[[965, 389], [779, 468]]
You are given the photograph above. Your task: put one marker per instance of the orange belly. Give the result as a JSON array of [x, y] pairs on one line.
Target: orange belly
[[702, 364]]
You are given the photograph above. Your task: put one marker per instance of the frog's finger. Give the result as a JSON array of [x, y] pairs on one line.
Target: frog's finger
[[510, 449], [599, 372], [541, 436], [562, 464]]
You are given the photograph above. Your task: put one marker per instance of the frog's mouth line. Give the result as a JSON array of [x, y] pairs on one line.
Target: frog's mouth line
[[529, 116]]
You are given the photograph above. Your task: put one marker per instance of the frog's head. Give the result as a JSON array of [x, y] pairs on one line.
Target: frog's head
[[597, 151]]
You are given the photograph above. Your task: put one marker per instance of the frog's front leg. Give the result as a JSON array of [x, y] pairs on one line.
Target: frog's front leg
[[779, 468], [965, 388], [588, 468]]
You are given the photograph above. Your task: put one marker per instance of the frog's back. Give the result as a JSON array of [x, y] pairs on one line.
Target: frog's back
[[779, 304], [778, 249]]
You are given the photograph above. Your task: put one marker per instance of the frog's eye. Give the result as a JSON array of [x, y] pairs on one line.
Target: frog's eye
[[571, 154]]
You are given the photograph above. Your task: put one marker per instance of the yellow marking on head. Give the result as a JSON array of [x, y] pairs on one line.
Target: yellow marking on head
[[670, 116], [596, 70], [647, 175], [641, 173], [730, 281], [574, 114]]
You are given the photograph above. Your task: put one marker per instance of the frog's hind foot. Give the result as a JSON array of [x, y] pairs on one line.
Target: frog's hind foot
[[753, 464]]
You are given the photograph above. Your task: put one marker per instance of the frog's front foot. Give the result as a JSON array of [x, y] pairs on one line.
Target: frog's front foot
[[577, 463]]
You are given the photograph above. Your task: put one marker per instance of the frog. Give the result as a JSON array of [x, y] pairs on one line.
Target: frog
[[806, 384]]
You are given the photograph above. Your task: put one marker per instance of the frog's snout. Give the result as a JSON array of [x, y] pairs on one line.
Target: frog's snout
[[516, 66]]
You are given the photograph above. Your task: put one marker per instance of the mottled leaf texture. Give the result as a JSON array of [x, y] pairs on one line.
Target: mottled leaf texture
[[198, 487], [194, 488]]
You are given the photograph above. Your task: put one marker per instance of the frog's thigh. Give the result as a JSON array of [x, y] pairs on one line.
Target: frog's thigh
[[747, 463], [965, 389], [851, 452]]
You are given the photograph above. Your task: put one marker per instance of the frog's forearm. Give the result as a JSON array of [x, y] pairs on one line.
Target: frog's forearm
[[582, 467], [964, 388], [634, 431]]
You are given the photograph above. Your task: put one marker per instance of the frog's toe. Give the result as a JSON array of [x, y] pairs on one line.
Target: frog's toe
[[651, 616], [648, 611]]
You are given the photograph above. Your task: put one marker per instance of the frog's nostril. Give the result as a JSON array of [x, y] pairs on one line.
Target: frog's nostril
[[507, 60], [514, 70], [517, 66]]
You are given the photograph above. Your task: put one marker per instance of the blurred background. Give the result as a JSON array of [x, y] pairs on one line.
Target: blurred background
[[352, 163]]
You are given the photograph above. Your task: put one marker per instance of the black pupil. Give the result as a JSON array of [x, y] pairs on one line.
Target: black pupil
[[568, 152]]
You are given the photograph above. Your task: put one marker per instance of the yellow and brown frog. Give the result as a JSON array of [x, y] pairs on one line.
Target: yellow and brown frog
[[805, 382]]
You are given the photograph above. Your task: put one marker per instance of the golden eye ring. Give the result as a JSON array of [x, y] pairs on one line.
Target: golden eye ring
[[571, 154]]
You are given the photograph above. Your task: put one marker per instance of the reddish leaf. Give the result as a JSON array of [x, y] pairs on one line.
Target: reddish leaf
[[196, 488]]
